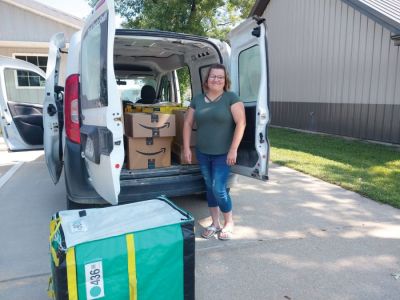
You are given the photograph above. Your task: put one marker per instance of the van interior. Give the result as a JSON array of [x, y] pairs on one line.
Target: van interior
[[175, 68]]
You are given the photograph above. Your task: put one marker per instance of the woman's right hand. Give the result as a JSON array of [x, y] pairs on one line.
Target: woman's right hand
[[187, 155]]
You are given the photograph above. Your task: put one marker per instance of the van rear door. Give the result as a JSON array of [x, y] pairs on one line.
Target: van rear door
[[53, 109], [249, 74], [101, 111]]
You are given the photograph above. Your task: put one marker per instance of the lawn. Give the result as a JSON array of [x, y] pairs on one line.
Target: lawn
[[372, 170]]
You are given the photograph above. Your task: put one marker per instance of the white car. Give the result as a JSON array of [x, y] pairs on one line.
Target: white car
[[21, 104], [92, 146]]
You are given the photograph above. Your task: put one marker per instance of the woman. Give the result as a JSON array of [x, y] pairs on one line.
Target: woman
[[220, 120]]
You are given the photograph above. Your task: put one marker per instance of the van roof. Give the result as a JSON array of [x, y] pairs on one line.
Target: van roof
[[160, 33], [154, 51]]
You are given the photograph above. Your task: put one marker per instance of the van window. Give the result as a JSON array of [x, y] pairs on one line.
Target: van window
[[131, 88], [27, 94], [249, 74], [185, 83], [203, 74], [94, 64], [165, 89]]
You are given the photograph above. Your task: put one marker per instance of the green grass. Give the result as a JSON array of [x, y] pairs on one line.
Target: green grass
[[369, 169]]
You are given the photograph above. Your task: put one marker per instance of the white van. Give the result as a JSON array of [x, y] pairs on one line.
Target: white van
[[92, 151], [21, 104]]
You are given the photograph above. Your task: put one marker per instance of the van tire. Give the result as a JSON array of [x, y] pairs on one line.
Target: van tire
[[72, 205]]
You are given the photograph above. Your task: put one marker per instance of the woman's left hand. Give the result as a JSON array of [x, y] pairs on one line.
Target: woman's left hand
[[231, 157]]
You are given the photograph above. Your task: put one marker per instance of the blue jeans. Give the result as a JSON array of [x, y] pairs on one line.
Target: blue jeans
[[215, 173]]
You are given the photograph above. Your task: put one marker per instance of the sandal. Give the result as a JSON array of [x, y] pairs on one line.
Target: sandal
[[210, 231], [225, 234]]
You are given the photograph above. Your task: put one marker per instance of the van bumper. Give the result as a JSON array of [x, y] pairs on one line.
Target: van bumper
[[80, 190]]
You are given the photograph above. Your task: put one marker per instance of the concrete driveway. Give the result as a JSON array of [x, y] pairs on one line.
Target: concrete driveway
[[296, 237]]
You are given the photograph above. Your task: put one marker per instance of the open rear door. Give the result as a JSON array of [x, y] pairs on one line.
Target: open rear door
[[249, 74], [101, 130], [53, 109]]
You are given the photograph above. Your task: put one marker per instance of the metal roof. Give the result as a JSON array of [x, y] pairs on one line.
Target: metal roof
[[385, 12], [259, 7]]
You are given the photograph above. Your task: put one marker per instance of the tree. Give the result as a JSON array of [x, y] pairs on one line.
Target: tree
[[213, 18]]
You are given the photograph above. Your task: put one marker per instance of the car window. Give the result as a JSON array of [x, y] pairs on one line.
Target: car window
[[185, 83], [130, 88], [32, 93], [165, 86], [203, 74], [249, 74], [94, 64]]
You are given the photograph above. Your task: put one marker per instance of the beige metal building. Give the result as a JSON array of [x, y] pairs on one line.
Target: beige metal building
[[26, 27], [335, 66]]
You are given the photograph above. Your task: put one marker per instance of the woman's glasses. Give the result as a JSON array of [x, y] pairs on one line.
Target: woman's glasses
[[215, 77]]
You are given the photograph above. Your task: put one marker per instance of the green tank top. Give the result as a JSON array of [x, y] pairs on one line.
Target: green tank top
[[215, 124]]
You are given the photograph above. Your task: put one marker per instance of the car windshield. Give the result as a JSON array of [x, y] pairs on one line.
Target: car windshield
[[130, 88]]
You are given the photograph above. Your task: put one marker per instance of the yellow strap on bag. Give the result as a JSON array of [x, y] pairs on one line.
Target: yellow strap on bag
[[54, 226], [50, 289], [54, 256], [130, 245], [71, 274]]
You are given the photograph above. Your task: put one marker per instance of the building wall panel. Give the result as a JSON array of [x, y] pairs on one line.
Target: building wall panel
[[22, 25], [7, 51], [328, 118], [395, 132], [340, 65]]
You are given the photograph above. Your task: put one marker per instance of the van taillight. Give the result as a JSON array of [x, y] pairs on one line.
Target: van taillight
[[71, 106]]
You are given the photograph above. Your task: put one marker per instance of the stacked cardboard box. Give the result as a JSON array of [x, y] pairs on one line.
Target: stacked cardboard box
[[164, 107], [149, 138], [177, 145]]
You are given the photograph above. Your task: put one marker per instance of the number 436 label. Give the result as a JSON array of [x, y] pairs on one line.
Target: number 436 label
[[94, 280]]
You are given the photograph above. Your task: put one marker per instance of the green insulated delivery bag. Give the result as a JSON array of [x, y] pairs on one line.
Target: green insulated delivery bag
[[143, 250]]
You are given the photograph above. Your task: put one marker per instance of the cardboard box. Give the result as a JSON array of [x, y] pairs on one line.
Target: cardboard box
[[177, 153], [128, 108], [179, 120], [167, 107], [141, 125], [148, 153]]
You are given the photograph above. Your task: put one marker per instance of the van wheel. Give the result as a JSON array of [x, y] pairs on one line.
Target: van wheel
[[74, 205]]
